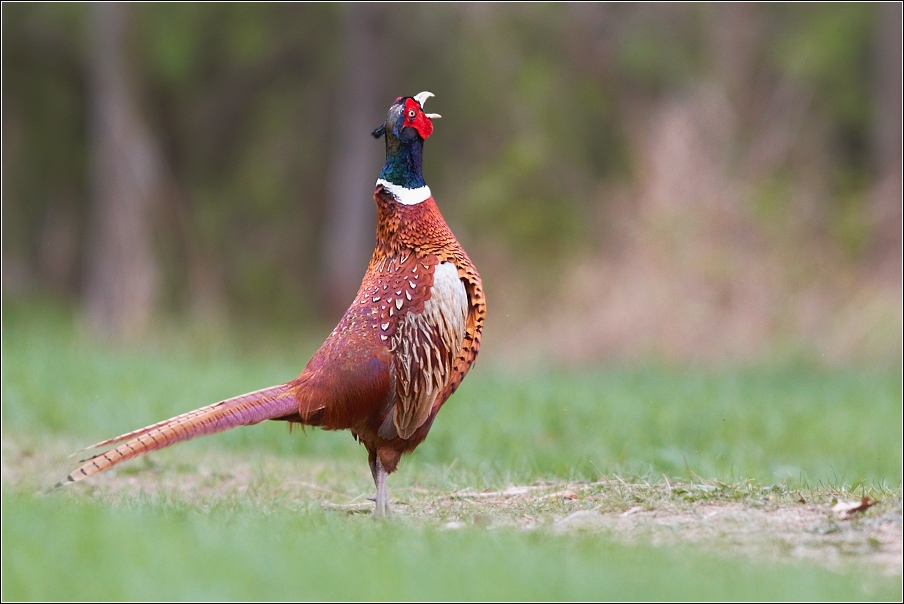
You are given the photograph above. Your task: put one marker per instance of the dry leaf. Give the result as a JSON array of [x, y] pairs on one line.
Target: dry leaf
[[845, 509]]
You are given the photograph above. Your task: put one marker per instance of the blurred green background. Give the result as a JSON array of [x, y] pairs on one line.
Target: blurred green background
[[688, 221], [690, 183]]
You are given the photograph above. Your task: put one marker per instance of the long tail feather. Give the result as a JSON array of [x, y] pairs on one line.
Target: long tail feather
[[244, 410]]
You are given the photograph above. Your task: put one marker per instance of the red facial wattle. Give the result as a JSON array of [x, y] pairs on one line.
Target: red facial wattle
[[414, 117]]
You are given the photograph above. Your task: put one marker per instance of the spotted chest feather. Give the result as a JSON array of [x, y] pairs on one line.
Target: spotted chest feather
[[395, 287]]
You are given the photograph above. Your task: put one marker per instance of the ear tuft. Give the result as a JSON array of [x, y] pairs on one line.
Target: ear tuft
[[378, 132]]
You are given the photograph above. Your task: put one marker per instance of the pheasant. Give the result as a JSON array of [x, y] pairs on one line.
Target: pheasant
[[402, 348]]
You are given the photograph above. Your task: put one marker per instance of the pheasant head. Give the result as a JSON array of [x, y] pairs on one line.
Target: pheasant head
[[406, 128]]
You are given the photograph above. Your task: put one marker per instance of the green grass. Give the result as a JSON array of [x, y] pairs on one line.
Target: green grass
[[804, 426], [63, 551]]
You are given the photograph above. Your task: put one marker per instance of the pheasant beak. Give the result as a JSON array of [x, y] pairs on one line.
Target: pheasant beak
[[422, 97]]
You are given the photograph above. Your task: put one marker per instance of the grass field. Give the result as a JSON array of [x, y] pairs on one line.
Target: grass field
[[258, 513]]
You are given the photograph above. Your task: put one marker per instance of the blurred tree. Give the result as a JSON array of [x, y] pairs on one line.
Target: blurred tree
[[886, 133], [44, 148], [777, 125], [122, 280], [347, 238], [886, 127], [241, 96]]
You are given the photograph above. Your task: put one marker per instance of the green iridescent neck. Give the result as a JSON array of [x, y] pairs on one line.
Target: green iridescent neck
[[403, 162]]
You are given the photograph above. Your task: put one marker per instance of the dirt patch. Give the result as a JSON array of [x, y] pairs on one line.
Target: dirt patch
[[781, 524], [805, 532]]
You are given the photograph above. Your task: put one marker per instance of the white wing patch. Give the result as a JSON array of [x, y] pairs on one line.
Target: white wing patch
[[425, 346]]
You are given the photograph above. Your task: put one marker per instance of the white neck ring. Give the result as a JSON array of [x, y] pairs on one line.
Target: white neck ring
[[404, 195]]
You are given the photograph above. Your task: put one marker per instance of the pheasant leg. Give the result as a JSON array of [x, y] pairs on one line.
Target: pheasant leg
[[381, 507]]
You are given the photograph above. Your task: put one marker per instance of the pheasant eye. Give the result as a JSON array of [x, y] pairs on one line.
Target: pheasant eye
[[411, 114]]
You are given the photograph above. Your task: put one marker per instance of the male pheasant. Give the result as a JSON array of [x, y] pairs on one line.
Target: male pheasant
[[402, 348]]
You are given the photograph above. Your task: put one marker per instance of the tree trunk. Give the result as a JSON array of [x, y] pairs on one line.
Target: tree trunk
[[356, 160], [885, 256], [887, 79], [122, 276]]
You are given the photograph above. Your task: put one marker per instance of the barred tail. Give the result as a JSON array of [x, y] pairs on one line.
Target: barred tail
[[244, 410]]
